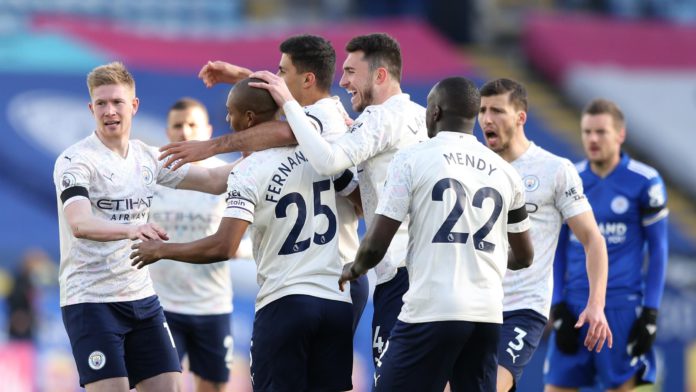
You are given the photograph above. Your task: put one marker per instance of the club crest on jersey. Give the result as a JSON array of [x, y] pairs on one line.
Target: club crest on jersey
[[96, 360], [531, 183], [67, 181], [619, 205], [147, 175], [657, 195]]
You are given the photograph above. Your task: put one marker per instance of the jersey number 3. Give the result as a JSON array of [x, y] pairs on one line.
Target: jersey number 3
[[291, 244], [445, 233]]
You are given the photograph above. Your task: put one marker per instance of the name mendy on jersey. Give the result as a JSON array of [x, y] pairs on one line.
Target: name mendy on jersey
[[124, 205], [469, 160], [282, 173]]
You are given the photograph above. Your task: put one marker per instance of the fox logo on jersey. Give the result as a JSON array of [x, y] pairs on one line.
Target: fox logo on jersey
[[619, 205]]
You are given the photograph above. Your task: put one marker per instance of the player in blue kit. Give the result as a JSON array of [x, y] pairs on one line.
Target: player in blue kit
[[630, 204]]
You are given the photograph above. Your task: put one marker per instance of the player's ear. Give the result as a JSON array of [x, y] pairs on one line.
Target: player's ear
[[622, 135], [381, 75], [309, 79], [136, 105], [521, 117], [250, 118], [91, 108]]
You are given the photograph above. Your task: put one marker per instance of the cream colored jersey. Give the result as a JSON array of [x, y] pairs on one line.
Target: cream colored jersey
[[186, 216], [554, 193], [292, 211], [329, 117], [121, 190], [377, 134], [458, 194]]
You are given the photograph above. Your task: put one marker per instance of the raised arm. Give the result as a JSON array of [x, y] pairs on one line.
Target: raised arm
[[85, 225], [215, 72], [220, 246], [585, 229]]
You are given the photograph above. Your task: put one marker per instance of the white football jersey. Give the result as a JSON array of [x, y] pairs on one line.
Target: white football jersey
[[375, 136], [458, 194], [329, 117], [292, 211], [186, 216], [121, 190], [554, 193]]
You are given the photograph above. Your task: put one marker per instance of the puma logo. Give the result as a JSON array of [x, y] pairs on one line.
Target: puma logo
[[514, 357]]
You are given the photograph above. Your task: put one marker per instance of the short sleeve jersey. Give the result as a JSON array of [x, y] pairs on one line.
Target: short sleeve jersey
[[120, 190], [624, 202], [329, 116], [554, 193], [186, 216], [375, 136], [292, 211], [459, 195]]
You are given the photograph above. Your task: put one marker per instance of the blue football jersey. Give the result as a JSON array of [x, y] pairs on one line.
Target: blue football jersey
[[627, 201]]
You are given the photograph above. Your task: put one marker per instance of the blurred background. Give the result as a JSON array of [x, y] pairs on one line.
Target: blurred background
[[639, 53]]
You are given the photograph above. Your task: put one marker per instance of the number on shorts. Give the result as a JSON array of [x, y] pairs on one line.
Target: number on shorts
[[228, 343], [169, 332], [519, 339]]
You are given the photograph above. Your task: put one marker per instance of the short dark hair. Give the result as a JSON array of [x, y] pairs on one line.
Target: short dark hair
[[188, 103], [458, 97], [605, 106], [311, 53], [257, 100], [518, 94], [381, 50]]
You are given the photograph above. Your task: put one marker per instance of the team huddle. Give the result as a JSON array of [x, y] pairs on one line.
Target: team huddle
[[474, 246]]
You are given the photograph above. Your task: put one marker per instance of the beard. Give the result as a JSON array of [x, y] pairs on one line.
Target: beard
[[367, 99]]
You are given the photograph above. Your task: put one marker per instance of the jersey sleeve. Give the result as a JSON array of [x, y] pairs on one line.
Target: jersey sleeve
[[72, 175], [653, 201], [369, 135], [569, 195], [242, 192], [518, 221], [396, 197]]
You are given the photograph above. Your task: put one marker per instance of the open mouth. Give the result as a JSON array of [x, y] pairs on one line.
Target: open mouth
[[109, 123]]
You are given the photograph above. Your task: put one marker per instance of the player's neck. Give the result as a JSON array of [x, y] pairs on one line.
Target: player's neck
[[604, 168], [517, 146], [312, 97], [382, 95], [117, 144]]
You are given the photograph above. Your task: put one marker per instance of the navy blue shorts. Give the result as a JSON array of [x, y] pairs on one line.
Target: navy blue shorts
[[612, 367], [359, 291], [120, 339], [519, 339], [422, 357], [208, 342], [387, 301], [302, 343]]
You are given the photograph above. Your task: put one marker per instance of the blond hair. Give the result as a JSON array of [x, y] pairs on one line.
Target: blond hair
[[112, 73]]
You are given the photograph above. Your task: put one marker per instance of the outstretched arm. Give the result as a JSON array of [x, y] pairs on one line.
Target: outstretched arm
[[259, 137], [372, 248], [585, 229], [327, 159], [220, 246], [86, 225]]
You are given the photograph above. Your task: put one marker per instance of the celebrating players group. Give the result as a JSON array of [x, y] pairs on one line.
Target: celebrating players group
[[473, 245]]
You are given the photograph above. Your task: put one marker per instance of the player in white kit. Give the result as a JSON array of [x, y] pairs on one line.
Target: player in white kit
[[302, 337], [389, 122], [466, 204], [197, 299], [307, 65], [105, 186], [554, 194]]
